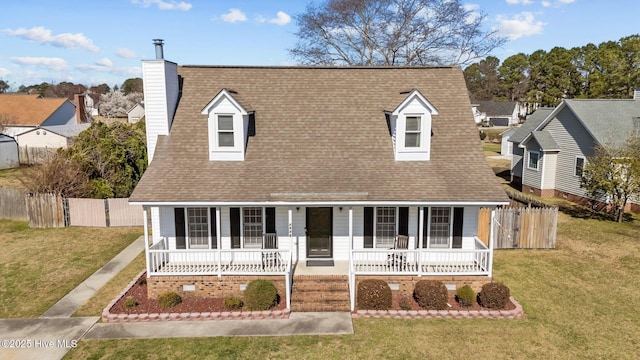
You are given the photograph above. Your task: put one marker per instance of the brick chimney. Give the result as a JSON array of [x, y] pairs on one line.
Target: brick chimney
[[81, 113]]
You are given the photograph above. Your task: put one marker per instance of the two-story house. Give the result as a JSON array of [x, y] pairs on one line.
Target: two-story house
[[292, 172]]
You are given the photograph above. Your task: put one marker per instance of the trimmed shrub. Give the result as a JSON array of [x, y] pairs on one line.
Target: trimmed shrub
[[465, 296], [405, 304], [233, 303], [169, 299], [494, 295], [130, 303], [483, 135], [431, 294], [260, 295], [374, 295]]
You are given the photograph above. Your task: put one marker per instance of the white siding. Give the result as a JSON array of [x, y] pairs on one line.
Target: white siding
[[42, 138], [160, 79], [163, 225], [470, 226]]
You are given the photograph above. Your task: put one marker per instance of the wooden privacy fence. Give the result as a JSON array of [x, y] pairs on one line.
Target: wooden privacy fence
[[13, 205], [45, 210], [50, 210], [520, 228], [103, 212], [35, 155]]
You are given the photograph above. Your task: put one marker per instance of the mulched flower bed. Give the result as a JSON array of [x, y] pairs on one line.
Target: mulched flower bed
[[189, 304], [455, 305]]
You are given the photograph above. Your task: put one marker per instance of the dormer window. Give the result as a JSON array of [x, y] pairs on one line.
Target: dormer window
[[225, 130], [228, 124], [412, 132], [410, 125]]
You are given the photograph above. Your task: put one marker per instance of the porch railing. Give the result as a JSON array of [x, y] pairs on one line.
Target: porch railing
[[163, 261], [476, 261]]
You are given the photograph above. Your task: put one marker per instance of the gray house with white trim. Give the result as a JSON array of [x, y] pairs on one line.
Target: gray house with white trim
[[552, 146]]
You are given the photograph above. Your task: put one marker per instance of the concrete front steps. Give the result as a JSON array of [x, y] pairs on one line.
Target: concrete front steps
[[319, 293]]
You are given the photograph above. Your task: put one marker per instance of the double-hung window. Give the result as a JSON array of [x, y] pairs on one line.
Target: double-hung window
[[198, 228], [412, 132], [385, 226], [225, 131], [534, 158], [579, 166], [440, 227], [252, 228]]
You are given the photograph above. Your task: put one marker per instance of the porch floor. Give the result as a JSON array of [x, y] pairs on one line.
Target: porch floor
[[339, 268]]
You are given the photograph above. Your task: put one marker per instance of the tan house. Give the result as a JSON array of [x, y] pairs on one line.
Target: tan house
[[311, 174]]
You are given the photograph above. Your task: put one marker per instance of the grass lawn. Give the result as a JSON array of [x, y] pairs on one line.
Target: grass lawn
[[10, 178], [39, 266], [579, 303], [491, 149]]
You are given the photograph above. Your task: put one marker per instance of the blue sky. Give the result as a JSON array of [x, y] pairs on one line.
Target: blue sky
[[93, 42]]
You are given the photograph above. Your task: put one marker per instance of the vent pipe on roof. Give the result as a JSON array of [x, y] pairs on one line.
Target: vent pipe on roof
[[159, 52]]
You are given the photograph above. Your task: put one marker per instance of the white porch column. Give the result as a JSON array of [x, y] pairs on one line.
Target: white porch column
[[420, 238], [146, 238], [288, 276], [219, 241], [352, 291], [491, 232]]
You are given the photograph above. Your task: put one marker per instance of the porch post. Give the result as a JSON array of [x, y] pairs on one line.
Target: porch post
[[351, 275], [219, 241], [491, 232], [350, 231], [146, 238], [288, 276], [420, 238]]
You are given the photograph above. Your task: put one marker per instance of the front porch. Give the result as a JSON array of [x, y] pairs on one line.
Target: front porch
[[218, 264]]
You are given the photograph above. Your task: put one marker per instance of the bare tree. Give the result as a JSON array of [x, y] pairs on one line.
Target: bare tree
[[613, 174], [391, 33], [59, 175]]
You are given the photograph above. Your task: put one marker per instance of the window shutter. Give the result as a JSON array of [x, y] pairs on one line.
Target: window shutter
[[403, 221], [270, 220], [180, 231], [214, 228], [368, 227], [458, 216], [234, 214]]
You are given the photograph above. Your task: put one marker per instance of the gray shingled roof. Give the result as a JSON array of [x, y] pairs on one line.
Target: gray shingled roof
[[608, 120], [533, 120], [321, 134], [497, 108], [545, 140]]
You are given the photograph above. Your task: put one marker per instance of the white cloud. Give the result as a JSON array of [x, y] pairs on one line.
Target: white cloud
[[233, 16], [281, 19], [556, 3], [523, 24], [52, 63], [126, 53], [104, 62], [43, 36], [546, 3], [164, 5], [4, 72], [519, 2]]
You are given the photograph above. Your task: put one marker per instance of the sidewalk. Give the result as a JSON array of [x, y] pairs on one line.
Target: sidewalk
[[55, 332]]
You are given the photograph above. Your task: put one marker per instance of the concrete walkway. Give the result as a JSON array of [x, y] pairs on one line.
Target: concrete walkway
[[55, 332]]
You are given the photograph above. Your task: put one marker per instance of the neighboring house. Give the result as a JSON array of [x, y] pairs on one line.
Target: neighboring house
[[506, 146], [552, 146], [498, 113], [30, 118], [8, 152], [136, 113], [269, 171]]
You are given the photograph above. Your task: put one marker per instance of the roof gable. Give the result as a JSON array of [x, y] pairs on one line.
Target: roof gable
[[30, 110]]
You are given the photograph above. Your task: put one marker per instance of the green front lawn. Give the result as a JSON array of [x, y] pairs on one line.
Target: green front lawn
[[39, 266], [579, 302]]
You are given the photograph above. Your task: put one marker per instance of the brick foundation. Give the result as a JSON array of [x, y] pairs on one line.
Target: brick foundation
[[407, 283], [538, 192], [208, 286]]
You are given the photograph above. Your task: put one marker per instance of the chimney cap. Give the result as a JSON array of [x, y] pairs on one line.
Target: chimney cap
[[159, 49]]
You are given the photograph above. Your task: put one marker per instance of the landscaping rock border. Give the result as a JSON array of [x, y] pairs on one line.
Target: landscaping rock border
[[109, 317], [516, 313]]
